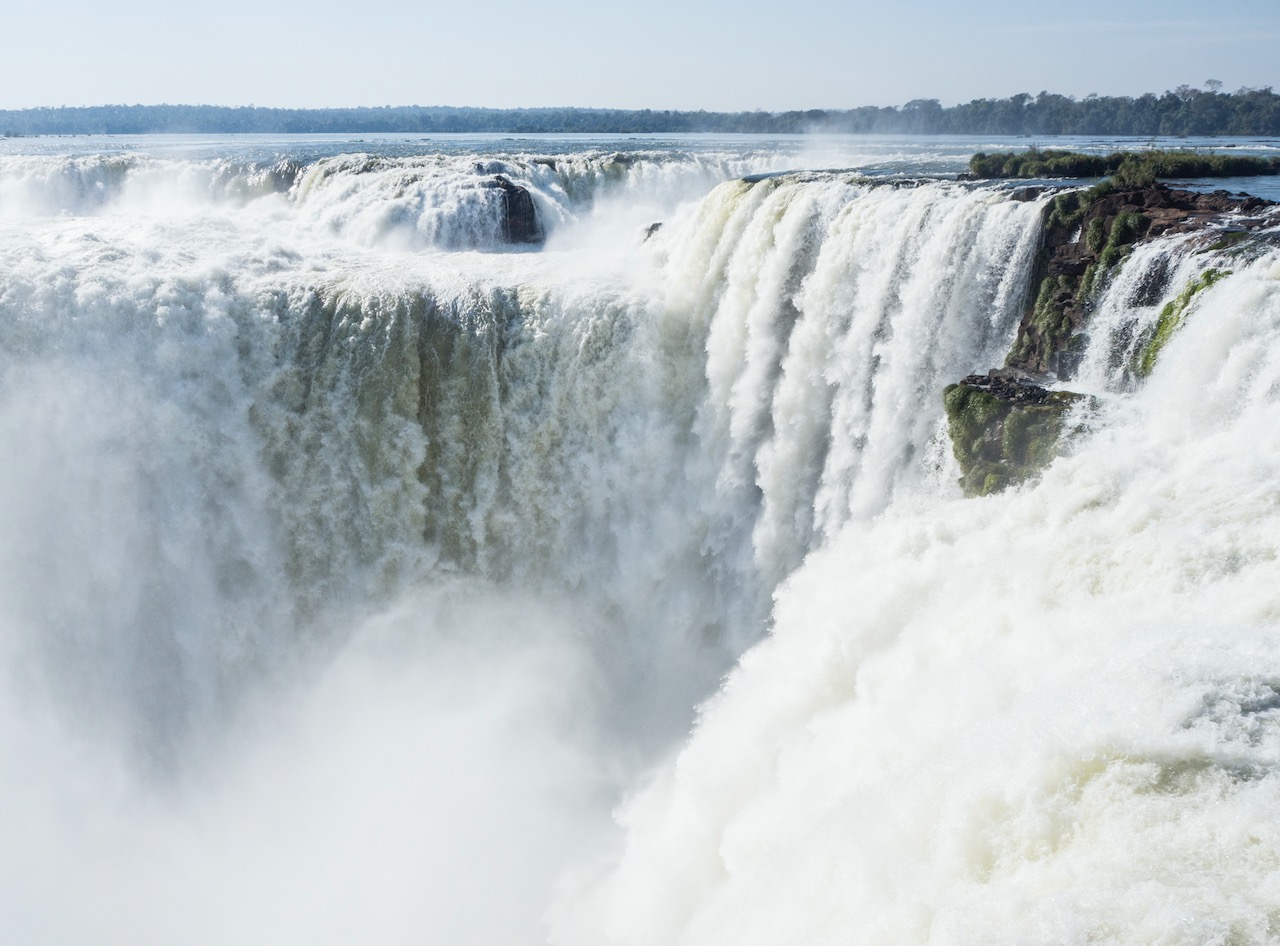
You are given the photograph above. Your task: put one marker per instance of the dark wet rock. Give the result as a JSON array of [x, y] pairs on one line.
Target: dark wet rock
[[1022, 194], [520, 215], [283, 174]]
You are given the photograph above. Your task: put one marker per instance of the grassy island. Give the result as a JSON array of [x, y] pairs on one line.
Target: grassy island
[[1128, 167]]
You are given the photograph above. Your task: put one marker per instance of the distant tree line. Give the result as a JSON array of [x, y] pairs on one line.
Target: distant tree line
[[1184, 111]]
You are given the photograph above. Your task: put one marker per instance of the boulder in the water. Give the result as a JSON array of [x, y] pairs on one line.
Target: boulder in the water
[[1004, 428], [520, 223]]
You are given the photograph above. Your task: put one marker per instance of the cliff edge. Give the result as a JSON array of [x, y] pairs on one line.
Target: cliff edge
[[1006, 425]]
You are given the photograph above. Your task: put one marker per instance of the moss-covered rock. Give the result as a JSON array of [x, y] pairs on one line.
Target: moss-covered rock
[[1004, 426], [1148, 350], [1003, 430], [1046, 331], [1087, 235]]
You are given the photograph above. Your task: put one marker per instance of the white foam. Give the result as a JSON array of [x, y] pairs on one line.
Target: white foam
[[348, 576], [1043, 717]]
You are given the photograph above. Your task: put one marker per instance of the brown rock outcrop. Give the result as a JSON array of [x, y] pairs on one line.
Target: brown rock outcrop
[[1089, 232]]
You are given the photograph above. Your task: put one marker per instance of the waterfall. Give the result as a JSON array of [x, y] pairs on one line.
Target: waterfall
[[354, 563], [1041, 717]]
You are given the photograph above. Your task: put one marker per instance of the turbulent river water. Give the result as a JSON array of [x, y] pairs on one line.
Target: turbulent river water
[[367, 578]]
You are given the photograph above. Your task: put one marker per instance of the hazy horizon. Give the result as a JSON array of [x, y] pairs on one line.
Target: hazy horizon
[[853, 106]]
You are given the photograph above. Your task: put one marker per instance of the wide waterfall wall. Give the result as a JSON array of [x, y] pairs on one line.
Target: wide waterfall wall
[[1048, 716], [299, 448], [687, 448], [832, 311], [335, 551]]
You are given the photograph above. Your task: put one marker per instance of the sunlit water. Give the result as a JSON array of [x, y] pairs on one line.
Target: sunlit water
[[360, 575]]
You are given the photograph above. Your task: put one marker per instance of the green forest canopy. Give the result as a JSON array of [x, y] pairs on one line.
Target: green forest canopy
[[1184, 111]]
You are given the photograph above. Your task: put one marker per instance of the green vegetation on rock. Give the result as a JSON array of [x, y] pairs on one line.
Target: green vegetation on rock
[[1043, 322], [1005, 426], [1170, 320], [1125, 229], [1000, 442], [1088, 234], [1033, 163], [1095, 237], [1228, 240], [1129, 168], [1088, 283], [1066, 211]]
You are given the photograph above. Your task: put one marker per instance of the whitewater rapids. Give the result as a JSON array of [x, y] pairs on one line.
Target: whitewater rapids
[[361, 576]]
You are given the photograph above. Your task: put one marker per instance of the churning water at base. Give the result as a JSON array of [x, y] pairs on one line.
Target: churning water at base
[[354, 568], [1051, 716]]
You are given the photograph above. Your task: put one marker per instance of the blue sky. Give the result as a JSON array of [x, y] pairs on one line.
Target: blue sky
[[660, 54]]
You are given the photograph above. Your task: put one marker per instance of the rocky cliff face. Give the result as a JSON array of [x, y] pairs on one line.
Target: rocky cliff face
[[1090, 232], [1006, 425]]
